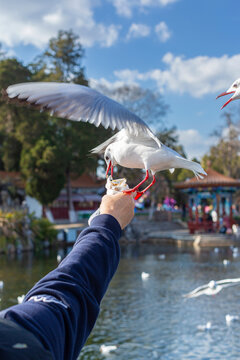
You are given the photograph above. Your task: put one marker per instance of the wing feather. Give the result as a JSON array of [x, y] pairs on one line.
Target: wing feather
[[78, 103]]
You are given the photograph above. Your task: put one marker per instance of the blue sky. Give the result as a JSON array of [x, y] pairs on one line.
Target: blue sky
[[188, 50]]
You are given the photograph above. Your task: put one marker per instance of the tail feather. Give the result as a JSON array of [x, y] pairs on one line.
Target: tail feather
[[195, 167]]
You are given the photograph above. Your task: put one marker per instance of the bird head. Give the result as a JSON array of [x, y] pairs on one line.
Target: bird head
[[212, 284], [109, 159], [234, 89]]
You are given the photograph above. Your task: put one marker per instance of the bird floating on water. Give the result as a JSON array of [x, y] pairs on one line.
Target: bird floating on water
[[144, 275], [233, 89], [106, 349], [226, 262], [134, 146], [20, 299], [212, 288], [205, 327], [231, 318]]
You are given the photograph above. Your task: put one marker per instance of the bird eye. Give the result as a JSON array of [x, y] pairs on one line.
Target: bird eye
[[235, 85], [107, 158]]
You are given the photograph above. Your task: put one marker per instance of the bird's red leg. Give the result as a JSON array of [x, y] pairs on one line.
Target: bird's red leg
[[108, 168], [130, 191], [140, 193]]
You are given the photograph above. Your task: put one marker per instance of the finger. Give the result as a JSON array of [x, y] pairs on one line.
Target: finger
[[134, 194]]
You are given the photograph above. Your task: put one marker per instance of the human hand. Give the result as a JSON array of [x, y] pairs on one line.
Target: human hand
[[120, 205]]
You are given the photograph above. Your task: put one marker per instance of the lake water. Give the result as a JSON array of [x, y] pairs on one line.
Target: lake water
[[150, 319]]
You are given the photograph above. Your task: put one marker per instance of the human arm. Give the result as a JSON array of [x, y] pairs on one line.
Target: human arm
[[61, 309]]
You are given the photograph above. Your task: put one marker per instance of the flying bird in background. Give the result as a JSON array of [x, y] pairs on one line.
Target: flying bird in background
[[234, 89], [213, 287], [134, 146]]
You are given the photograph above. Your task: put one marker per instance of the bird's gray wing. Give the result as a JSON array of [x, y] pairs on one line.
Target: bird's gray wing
[[143, 138], [78, 103], [228, 282], [196, 292]]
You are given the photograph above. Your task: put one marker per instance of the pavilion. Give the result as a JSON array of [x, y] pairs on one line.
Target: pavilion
[[215, 188]]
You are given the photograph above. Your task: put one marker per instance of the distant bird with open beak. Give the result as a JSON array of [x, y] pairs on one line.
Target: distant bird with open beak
[[134, 146], [234, 89]]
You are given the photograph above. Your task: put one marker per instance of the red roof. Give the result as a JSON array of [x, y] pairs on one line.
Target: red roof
[[86, 181], [12, 177], [83, 181], [213, 179]]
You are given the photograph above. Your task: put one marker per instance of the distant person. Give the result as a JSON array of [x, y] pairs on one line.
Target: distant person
[[59, 312]]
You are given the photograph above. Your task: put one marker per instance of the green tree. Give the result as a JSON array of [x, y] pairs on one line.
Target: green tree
[[42, 169], [11, 71], [224, 156], [62, 61]]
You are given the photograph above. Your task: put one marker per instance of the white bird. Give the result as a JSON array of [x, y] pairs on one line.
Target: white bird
[[205, 327], [106, 349], [144, 275], [162, 257], [234, 89], [20, 299], [226, 262], [134, 146], [213, 287], [1, 284], [230, 318]]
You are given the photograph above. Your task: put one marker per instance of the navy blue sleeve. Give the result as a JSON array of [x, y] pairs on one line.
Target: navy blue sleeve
[[61, 309]]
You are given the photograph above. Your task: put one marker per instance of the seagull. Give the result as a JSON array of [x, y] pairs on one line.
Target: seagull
[[20, 299], [144, 275], [106, 349], [205, 327], [226, 262], [133, 146], [230, 318], [234, 89], [212, 288]]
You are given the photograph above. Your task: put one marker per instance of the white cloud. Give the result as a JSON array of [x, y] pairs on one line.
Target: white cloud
[[34, 22], [162, 31], [196, 76], [104, 83], [55, 18], [125, 7], [194, 143], [138, 30]]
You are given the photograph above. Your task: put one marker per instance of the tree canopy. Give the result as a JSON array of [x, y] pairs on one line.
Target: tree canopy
[[224, 156], [46, 149], [27, 135]]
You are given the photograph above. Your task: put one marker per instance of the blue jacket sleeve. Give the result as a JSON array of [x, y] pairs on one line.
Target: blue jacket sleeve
[[61, 309]]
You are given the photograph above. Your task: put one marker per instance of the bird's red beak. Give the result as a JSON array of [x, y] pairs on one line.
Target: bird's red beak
[[108, 168], [226, 103], [223, 94]]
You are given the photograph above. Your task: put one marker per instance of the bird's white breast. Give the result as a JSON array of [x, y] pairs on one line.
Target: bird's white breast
[[129, 155]]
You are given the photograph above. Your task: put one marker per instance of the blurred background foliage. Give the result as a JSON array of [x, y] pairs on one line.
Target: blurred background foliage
[[46, 149]]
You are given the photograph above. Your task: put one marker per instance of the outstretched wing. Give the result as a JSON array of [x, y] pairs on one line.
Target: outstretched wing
[[196, 292], [229, 282], [78, 103]]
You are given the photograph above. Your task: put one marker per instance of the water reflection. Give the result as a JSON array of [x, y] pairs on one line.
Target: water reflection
[[150, 319]]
